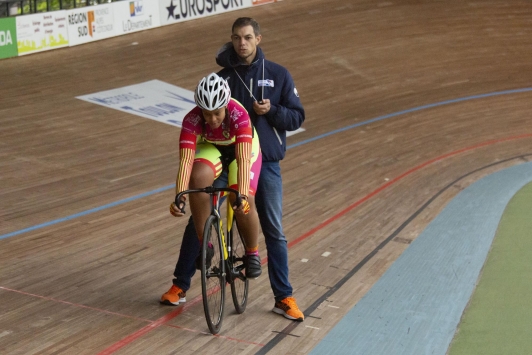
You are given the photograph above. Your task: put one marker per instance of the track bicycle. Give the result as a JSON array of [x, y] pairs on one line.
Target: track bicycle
[[222, 259]]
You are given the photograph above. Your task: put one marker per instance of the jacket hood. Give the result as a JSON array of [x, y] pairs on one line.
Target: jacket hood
[[227, 57]]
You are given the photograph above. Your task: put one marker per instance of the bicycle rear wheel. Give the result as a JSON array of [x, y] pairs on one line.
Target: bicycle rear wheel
[[239, 284], [212, 275]]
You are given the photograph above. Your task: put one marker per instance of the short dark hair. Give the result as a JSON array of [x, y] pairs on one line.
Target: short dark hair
[[246, 21]]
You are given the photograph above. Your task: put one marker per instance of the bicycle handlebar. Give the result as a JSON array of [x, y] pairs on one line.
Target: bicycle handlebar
[[209, 190]]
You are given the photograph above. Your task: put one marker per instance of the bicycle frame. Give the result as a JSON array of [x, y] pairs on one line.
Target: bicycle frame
[[215, 199], [225, 262]]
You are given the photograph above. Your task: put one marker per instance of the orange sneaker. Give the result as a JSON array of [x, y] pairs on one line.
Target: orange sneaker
[[289, 309], [174, 296]]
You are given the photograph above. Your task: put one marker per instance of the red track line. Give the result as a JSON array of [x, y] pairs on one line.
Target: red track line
[[393, 181], [142, 331], [75, 304], [161, 321]]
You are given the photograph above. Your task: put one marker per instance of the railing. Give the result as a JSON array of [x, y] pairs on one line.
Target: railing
[[23, 7]]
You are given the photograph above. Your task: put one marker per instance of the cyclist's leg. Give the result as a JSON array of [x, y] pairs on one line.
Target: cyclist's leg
[[248, 224], [269, 202], [185, 267], [201, 176], [207, 167]]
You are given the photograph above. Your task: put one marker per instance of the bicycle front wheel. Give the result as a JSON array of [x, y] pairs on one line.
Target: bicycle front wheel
[[212, 275], [239, 282]]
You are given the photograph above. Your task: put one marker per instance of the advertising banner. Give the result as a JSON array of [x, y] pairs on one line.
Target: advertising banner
[[90, 24], [8, 38], [172, 11], [41, 32], [153, 99], [138, 15]]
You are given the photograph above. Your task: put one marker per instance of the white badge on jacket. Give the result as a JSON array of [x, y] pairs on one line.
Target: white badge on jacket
[[266, 82]]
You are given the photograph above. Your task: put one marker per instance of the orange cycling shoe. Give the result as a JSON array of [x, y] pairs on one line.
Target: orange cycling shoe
[[174, 296]]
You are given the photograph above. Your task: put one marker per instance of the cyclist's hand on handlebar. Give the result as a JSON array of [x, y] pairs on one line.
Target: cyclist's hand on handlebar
[[244, 206], [176, 211]]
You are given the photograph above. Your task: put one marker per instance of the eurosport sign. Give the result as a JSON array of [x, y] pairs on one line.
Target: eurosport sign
[[172, 11]]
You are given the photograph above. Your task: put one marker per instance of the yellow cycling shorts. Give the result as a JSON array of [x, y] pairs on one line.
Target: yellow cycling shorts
[[220, 157]]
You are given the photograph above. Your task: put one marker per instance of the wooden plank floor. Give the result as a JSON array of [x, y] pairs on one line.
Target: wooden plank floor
[[90, 285]]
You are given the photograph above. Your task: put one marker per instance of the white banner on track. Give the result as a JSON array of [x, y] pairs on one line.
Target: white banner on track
[[153, 99]]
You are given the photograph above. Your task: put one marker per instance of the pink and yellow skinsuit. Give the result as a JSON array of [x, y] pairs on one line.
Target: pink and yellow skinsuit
[[234, 145]]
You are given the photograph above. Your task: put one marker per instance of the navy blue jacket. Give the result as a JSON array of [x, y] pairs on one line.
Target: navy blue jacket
[[264, 79]]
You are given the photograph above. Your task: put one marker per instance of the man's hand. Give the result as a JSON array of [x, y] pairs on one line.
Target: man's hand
[[262, 107]]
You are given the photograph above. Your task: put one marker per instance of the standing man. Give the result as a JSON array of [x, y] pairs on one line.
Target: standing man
[[267, 91]]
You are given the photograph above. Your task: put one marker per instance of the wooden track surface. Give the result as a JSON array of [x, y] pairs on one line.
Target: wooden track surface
[[90, 285]]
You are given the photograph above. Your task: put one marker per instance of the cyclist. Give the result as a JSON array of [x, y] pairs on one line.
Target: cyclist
[[217, 135]]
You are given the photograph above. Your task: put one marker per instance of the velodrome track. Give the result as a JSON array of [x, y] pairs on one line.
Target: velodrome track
[[402, 99]]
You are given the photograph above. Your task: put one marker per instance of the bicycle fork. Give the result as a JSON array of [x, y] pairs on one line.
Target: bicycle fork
[[222, 234]]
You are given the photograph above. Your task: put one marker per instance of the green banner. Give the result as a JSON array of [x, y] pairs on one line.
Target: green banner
[[8, 38]]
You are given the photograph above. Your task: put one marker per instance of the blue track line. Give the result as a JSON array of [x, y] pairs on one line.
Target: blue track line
[[380, 118], [359, 124], [92, 210]]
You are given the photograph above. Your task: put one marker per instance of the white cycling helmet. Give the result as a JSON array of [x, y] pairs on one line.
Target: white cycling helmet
[[212, 93]]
